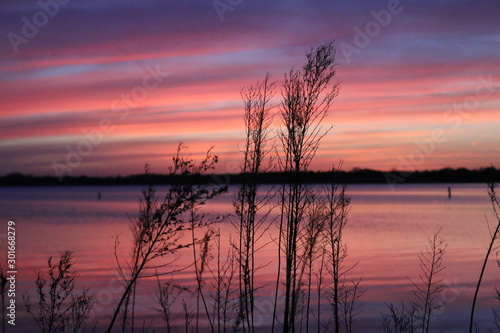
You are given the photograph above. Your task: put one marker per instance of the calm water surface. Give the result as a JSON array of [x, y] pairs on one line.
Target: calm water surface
[[385, 233]]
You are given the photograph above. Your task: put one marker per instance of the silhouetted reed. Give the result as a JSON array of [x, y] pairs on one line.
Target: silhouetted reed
[[401, 319], [494, 235], [343, 294], [416, 315], [247, 204], [224, 293], [167, 295], [496, 313], [430, 287], [59, 309]]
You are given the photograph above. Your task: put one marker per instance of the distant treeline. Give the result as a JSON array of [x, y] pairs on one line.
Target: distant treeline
[[355, 176]]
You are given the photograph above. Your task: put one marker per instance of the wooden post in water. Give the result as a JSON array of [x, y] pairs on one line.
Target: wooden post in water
[[449, 192]]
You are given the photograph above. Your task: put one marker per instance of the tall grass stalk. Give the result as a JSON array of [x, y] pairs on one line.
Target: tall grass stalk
[[430, 287], [494, 235], [250, 227]]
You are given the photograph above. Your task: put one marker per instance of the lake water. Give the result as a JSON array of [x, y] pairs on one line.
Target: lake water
[[386, 231]]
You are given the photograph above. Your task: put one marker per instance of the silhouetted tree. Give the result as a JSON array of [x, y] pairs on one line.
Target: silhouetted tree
[[307, 97], [159, 228]]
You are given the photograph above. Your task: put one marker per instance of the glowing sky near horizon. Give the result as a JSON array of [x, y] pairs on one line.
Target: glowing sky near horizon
[[420, 90]]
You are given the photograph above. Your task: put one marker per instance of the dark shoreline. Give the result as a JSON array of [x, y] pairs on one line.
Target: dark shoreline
[[357, 176]]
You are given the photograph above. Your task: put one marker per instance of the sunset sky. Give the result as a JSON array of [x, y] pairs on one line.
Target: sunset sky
[[93, 87]]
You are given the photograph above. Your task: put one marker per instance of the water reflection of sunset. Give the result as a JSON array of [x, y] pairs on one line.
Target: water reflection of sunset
[[377, 237]]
